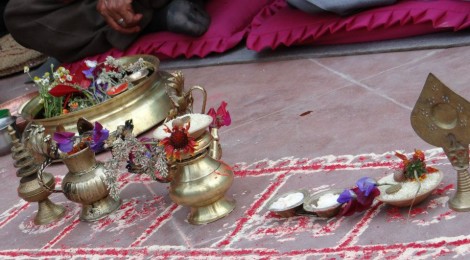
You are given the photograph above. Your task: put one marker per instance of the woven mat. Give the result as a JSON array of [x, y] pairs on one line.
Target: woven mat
[[13, 56], [148, 225]]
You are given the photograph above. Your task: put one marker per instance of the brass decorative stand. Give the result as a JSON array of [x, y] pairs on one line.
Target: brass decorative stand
[[440, 117], [31, 189]]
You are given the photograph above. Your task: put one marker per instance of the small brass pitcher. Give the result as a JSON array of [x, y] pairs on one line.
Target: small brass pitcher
[[200, 182]]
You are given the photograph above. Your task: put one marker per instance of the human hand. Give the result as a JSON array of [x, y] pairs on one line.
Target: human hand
[[120, 15]]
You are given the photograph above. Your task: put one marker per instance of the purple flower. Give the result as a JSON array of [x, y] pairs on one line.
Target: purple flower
[[89, 73], [359, 198], [100, 134], [366, 185], [64, 141], [346, 196]]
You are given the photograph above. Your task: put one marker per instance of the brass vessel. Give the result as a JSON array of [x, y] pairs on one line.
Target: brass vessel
[[441, 118], [31, 189], [147, 104], [200, 182], [84, 184]]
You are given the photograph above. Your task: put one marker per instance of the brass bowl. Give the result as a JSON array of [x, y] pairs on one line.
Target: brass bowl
[[147, 104], [195, 129], [408, 201], [292, 209], [310, 204]]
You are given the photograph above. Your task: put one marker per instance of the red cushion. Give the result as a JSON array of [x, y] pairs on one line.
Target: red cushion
[[230, 22], [280, 24]]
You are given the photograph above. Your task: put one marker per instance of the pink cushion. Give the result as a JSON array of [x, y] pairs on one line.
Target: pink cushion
[[280, 24], [230, 22]]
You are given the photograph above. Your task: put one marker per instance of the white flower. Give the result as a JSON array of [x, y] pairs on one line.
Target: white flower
[[68, 77], [45, 81], [26, 69], [91, 63]]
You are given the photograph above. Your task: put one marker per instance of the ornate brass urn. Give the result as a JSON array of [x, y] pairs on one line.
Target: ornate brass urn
[[84, 184]]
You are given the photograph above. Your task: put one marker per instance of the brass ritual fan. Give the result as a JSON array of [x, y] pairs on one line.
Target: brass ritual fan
[[441, 118]]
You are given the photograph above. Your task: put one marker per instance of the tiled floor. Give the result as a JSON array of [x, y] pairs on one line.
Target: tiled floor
[[306, 108]]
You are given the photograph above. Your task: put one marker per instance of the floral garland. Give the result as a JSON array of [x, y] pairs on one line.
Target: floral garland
[[362, 196]]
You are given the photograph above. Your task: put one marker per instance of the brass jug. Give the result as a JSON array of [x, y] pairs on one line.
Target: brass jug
[[200, 182], [85, 184]]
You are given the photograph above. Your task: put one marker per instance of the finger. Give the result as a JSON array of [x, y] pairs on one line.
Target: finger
[[126, 30], [122, 10], [105, 9], [129, 16]]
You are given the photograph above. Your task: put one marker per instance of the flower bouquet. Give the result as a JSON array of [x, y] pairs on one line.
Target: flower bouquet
[[105, 92], [63, 92]]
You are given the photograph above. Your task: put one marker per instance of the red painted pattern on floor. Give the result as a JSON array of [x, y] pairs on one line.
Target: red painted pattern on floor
[[251, 231]]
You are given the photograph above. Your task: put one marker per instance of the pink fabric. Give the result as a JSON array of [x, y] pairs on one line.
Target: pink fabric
[[281, 25], [231, 20]]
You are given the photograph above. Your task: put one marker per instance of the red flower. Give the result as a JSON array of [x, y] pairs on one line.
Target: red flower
[[79, 77], [179, 142], [221, 118], [415, 164], [418, 155], [63, 90]]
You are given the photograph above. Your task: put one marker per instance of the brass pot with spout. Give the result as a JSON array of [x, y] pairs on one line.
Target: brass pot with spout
[[200, 182], [197, 179], [85, 184]]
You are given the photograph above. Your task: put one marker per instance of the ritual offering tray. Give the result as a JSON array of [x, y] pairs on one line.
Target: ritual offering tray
[[324, 203], [288, 204], [142, 97], [411, 192]]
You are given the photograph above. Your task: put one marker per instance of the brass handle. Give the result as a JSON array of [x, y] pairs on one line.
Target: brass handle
[[43, 166]]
